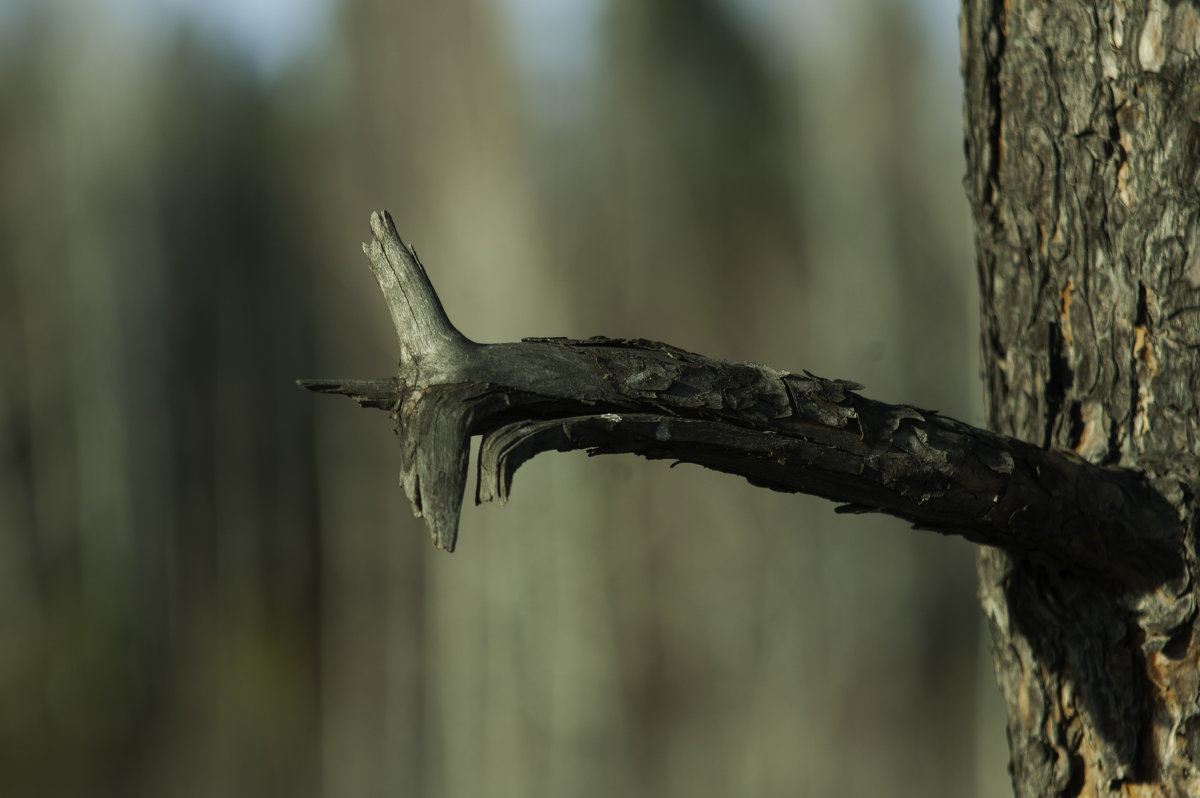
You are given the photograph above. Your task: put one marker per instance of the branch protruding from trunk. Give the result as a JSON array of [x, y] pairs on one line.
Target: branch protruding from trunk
[[778, 429]]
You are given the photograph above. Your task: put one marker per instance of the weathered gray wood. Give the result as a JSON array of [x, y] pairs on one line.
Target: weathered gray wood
[[791, 432], [1082, 133]]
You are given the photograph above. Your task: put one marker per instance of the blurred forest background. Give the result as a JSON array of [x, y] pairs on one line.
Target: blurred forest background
[[210, 582]]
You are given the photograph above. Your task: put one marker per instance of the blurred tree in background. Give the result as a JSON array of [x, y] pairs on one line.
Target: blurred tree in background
[[209, 581]]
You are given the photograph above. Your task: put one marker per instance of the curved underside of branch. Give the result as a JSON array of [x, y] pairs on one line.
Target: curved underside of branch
[[786, 431]]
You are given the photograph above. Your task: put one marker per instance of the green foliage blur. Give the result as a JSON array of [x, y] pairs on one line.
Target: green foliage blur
[[210, 583]]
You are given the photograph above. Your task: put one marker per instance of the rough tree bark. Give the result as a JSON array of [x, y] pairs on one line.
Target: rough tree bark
[[1083, 138], [1083, 146]]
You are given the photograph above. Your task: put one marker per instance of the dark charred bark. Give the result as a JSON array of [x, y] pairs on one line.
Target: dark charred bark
[[780, 430], [1083, 145]]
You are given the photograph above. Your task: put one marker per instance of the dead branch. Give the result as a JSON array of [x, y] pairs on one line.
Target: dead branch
[[778, 429]]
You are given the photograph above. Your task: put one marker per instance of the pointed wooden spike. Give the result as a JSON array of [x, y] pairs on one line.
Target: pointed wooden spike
[[422, 328]]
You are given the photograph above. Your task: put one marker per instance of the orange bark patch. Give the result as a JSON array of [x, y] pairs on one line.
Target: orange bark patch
[[1143, 350], [1064, 309]]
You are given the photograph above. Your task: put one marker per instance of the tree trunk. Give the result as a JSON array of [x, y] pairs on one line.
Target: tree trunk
[[1083, 136]]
